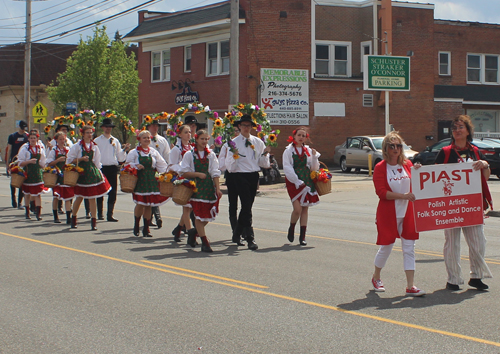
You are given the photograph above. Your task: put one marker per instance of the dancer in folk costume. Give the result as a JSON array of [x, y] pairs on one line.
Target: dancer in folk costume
[[64, 129], [91, 184], [298, 162], [146, 195], [57, 157], [31, 156], [202, 165], [182, 146]]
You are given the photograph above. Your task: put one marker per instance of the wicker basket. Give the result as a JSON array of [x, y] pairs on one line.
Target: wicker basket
[[127, 183], [166, 189], [70, 178], [181, 194], [49, 179], [323, 187], [17, 180]]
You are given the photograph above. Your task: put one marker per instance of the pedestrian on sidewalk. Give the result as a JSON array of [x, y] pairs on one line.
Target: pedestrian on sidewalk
[[14, 143]]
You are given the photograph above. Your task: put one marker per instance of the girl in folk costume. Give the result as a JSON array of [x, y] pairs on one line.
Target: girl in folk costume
[[298, 162], [57, 157], [147, 192], [91, 184], [175, 158], [32, 157], [202, 165]]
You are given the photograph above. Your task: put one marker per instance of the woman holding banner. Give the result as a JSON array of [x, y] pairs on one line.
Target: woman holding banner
[[460, 151], [395, 219]]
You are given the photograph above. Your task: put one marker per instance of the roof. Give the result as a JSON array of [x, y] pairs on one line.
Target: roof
[[189, 18], [471, 93]]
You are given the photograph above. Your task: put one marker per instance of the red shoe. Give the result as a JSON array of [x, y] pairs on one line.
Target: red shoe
[[414, 291], [378, 286]]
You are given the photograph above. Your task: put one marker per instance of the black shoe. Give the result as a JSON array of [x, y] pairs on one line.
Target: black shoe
[[453, 287], [100, 217], [237, 239], [478, 284], [206, 248], [177, 233], [252, 246], [111, 219], [303, 243], [191, 241], [14, 203], [159, 223]]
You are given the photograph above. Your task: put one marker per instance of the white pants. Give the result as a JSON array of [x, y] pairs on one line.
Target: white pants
[[474, 236], [408, 247]]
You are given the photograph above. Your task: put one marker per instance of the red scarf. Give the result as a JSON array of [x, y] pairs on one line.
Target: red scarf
[[139, 148], [64, 151], [34, 152], [304, 151], [84, 146], [205, 158]]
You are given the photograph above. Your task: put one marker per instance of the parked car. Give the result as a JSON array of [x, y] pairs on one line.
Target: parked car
[[354, 152], [488, 147]]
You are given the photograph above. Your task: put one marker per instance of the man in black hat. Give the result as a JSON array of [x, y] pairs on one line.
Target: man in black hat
[[252, 154], [14, 143], [112, 154]]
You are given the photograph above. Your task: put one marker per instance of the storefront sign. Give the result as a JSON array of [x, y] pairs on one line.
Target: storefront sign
[[187, 96], [285, 96], [447, 196], [386, 73]]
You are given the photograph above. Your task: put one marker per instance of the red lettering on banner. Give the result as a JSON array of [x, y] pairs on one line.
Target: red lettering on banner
[[426, 176]]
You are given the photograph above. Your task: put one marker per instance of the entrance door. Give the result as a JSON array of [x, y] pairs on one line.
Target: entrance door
[[444, 129]]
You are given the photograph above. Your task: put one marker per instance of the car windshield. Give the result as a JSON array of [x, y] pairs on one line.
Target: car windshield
[[377, 142]]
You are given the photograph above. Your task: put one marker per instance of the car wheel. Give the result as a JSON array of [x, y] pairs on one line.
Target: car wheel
[[343, 165]]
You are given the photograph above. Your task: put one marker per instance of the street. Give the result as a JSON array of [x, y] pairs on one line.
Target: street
[[106, 291]]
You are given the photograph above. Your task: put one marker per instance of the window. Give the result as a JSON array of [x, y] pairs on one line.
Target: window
[[160, 66], [483, 69], [333, 59], [218, 58], [444, 63], [366, 49], [187, 59]]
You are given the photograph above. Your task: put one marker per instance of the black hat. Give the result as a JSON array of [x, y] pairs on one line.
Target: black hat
[[107, 122], [60, 126], [245, 118], [190, 120], [23, 125]]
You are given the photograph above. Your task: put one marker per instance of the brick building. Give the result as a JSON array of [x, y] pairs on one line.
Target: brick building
[[454, 65]]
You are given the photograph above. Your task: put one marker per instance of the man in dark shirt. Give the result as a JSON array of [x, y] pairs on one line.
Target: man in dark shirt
[[14, 143]]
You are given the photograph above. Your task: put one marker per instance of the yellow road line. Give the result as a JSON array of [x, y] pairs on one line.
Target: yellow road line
[[207, 275], [284, 297]]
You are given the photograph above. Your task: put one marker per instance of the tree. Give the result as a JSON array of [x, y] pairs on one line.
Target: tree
[[99, 75]]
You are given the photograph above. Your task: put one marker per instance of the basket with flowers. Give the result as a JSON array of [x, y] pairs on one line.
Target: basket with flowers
[[128, 178], [166, 183], [18, 175], [322, 180], [183, 190], [50, 176], [71, 174]]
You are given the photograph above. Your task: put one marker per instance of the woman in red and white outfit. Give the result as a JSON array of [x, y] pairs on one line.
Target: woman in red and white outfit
[[201, 164], [57, 157], [298, 162], [395, 219], [31, 156], [91, 184], [175, 158]]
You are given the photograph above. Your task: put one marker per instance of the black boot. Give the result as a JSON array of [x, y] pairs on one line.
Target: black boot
[[59, 207], [27, 212], [56, 217], [68, 218], [249, 236], [156, 213], [32, 206], [191, 241], [177, 233], [110, 217], [137, 221], [74, 223], [291, 232], [145, 229], [302, 237], [205, 245], [93, 224], [38, 210]]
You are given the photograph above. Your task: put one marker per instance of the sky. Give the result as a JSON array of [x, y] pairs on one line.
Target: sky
[[50, 18]]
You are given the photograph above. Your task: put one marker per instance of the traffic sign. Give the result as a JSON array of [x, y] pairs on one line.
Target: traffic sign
[[39, 113]]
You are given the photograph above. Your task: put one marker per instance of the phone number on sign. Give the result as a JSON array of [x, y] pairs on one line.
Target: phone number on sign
[[286, 121]]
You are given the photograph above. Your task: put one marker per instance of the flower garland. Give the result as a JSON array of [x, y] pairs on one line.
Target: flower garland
[[323, 175], [186, 183], [73, 167], [128, 170], [166, 176], [54, 170]]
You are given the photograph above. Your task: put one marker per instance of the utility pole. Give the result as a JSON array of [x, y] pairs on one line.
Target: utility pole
[[234, 67], [27, 65]]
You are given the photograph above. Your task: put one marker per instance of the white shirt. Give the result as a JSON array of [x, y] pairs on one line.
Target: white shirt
[[25, 155], [75, 152], [187, 164], [161, 145], [158, 162], [399, 182], [175, 157], [252, 160], [224, 150], [312, 163], [111, 150], [51, 156]]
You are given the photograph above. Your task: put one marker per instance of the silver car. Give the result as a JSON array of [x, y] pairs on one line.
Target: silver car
[[355, 151]]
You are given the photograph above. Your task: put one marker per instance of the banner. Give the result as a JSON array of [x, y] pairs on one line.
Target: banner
[[447, 196]]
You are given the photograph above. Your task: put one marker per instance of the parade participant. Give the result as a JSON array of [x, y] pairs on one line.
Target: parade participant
[[298, 162], [232, 195], [202, 165], [32, 156], [14, 143], [461, 151], [250, 154], [57, 157], [192, 123], [161, 145], [62, 128], [175, 158], [91, 184], [111, 155], [395, 219], [146, 195]]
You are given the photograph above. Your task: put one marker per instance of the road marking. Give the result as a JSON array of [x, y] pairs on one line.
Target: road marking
[[278, 296], [207, 275]]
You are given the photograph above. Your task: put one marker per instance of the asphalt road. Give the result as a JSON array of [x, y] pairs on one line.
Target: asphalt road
[[78, 291]]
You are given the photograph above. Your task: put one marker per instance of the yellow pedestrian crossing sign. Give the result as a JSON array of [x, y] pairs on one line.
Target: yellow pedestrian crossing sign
[[39, 113]]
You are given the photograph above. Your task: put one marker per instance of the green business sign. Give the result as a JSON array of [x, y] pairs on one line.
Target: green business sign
[[386, 73]]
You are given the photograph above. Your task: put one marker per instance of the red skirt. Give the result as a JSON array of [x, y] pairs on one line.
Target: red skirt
[[302, 194], [63, 192], [205, 211], [92, 191], [33, 190], [149, 199]]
